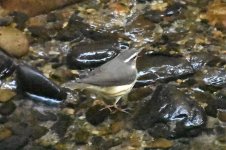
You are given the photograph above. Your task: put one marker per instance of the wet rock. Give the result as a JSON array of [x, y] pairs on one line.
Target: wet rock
[[6, 65], [7, 108], [69, 34], [29, 131], [4, 21], [81, 137], [159, 144], [13, 41], [210, 101], [33, 7], [46, 116], [211, 77], [6, 95], [91, 55], [174, 9], [170, 113], [60, 127], [34, 84], [18, 143], [95, 115], [101, 144], [20, 19], [151, 70], [154, 16], [5, 133], [200, 59]]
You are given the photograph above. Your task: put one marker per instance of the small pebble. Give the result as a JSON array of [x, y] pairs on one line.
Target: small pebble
[[5, 133], [6, 95]]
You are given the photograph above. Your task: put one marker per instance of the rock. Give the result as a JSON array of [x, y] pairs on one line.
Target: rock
[[81, 137], [29, 131], [6, 95], [95, 115], [18, 143], [13, 41], [154, 16], [4, 21], [20, 19], [34, 84], [159, 144], [170, 113], [6, 65], [90, 55], [174, 9], [7, 108], [151, 70], [200, 59], [211, 77], [34, 7], [60, 127], [69, 34], [5, 133]]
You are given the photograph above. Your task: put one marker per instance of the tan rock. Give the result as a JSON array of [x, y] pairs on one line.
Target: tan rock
[[5, 133], [13, 41], [34, 7], [6, 95]]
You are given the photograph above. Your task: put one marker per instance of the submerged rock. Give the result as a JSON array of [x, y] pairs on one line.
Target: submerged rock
[[95, 115], [6, 65], [170, 113], [34, 84], [7, 108], [90, 55], [161, 68]]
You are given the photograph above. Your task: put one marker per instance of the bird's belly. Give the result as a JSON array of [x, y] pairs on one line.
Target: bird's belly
[[112, 91]]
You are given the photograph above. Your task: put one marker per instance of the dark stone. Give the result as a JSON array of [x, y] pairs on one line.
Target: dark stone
[[6, 65], [209, 99], [171, 111], [90, 55], [7, 108], [34, 84], [213, 77], [95, 115], [200, 59], [81, 137], [4, 21], [20, 19], [46, 116], [14, 143], [174, 9], [41, 32], [154, 16], [102, 144], [60, 127], [151, 70], [29, 131], [69, 34]]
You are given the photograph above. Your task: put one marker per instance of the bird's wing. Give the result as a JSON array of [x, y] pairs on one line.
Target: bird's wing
[[110, 75]]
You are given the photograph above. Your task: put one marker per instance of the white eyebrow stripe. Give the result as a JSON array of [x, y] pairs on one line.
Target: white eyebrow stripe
[[128, 59]]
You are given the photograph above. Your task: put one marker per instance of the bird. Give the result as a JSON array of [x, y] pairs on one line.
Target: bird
[[113, 79]]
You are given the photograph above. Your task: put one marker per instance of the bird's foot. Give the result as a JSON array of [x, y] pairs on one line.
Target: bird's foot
[[114, 108]]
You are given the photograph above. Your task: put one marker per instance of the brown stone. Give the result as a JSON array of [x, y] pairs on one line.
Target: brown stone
[[34, 7], [13, 41], [6, 95]]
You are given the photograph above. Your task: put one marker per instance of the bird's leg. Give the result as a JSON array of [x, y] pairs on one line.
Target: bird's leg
[[115, 106]]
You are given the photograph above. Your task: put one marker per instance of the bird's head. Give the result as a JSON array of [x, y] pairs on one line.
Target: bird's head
[[129, 56]]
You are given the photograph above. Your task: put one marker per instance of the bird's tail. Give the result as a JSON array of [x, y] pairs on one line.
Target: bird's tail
[[73, 85]]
